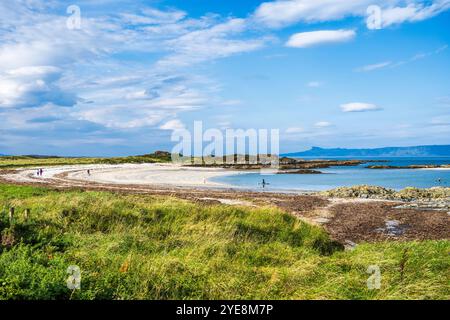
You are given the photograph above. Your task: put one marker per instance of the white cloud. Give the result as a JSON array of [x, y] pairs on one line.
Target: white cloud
[[359, 107], [143, 100], [210, 43], [314, 84], [443, 121], [308, 39], [42, 62], [233, 102], [421, 56], [372, 67], [17, 55], [285, 12], [173, 125], [443, 101], [281, 13], [224, 125], [322, 124], [120, 117], [151, 16], [28, 87], [294, 130], [390, 64], [413, 12]]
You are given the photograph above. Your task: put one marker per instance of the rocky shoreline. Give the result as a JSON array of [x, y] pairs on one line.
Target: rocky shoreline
[[424, 166], [249, 163], [300, 171], [437, 198]]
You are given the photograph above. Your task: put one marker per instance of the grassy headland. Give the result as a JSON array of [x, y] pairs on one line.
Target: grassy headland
[[9, 162], [149, 247]]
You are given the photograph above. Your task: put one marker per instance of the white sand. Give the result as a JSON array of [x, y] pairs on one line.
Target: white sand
[[153, 174], [132, 174]]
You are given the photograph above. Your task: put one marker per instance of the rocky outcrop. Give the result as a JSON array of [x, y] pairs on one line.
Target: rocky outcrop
[[363, 191], [301, 171], [425, 166], [373, 192], [252, 163], [437, 198]]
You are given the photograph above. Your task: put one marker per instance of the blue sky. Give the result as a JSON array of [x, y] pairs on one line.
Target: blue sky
[[136, 70]]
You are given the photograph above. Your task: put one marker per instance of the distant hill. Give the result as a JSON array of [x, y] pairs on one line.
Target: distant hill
[[31, 156], [417, 151]]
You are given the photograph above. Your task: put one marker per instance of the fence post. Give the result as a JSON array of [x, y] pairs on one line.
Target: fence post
[[27, 214]]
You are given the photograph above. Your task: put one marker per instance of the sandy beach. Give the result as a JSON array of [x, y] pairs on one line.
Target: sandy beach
[[166, 174]]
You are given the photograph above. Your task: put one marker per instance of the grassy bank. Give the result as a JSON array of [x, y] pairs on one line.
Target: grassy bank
[[34, 161], [145, 247]]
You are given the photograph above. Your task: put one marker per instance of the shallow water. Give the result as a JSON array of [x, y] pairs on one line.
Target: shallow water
[[349, 176]]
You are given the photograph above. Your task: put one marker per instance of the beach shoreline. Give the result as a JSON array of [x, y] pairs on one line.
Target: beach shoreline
[[152, 174], [148, 175], [345, 218]]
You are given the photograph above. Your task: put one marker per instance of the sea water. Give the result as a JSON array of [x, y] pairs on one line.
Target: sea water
[[334, 177]]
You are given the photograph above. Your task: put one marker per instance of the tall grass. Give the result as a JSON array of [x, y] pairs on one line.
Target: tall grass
[[145, 247]]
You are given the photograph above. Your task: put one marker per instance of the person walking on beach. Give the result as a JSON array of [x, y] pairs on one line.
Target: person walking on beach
[[41, 172], [89, 172]]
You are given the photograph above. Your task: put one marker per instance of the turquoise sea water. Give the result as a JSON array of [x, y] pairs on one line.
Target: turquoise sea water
[[349, 176]]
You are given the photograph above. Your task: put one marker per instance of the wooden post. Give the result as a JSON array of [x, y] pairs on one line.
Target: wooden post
[[11, 214], [27, 214]]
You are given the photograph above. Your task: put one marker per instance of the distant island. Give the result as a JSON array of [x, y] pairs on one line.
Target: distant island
[[416, 151]]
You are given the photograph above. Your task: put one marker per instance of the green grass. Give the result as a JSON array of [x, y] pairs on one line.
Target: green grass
[[144, 247], [11, 162]]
